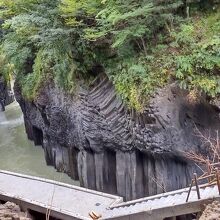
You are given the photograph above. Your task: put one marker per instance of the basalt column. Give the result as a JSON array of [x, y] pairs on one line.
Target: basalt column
[[132, 175], [96, 139]]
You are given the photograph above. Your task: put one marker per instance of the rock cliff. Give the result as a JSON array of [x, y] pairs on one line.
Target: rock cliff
[[6, 97], [95, 139]]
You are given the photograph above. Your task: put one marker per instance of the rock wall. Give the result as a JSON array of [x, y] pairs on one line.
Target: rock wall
[[95, 139], [6, 96]]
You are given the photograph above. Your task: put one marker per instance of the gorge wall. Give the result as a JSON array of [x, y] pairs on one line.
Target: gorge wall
[[6, 96], [95, 139]]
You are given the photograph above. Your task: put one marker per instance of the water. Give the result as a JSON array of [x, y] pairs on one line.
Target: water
[[18, 154]]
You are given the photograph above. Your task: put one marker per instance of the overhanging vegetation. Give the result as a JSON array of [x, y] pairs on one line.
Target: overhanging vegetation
[[141, 45]]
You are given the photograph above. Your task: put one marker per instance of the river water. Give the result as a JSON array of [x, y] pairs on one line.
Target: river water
[[17, 153]]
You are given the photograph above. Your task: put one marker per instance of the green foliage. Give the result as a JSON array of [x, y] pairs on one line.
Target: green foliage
[[37, 46], [75, 12], [186, 35], [198, 64], [125, 22], [5, 69], [131, 23], [139, 44], [136, 79]]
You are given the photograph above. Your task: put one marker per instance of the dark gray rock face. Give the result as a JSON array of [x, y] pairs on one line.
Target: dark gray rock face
[[95, 139], [6, 96]]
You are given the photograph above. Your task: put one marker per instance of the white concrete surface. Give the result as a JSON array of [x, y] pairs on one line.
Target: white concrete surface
[[69, 202], [163, 205]]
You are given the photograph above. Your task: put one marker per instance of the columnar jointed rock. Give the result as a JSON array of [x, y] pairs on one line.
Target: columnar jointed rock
[[94, 138]]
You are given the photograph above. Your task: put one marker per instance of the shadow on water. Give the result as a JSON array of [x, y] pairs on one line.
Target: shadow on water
[[18, 154]]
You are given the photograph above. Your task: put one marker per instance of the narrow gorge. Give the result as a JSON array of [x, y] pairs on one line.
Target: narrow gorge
[[95, 139], [119, 94]]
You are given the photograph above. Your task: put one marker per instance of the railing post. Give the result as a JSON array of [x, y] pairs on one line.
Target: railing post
[[197, 186], [217, 179], [190, 188]]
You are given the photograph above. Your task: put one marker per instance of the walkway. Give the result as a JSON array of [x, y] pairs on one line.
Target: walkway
[[72, 202], [65, 201], [162, 206]]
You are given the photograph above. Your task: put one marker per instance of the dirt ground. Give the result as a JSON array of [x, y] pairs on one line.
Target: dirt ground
[[211, 212], [11, 211]]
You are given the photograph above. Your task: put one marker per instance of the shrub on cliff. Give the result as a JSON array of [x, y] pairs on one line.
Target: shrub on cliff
[[140, 44]]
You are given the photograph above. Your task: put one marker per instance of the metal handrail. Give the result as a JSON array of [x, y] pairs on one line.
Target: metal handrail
[[211, 181]]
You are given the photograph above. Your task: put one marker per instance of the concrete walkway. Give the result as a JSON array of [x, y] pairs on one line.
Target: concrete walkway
[[65, 201], [163, 206], [71, 202]]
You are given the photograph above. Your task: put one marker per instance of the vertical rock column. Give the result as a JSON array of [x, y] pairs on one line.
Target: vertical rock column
[[105, 167], [73, 163], [150, 187], [139, 174], [129, 175], [87, 173], [98, 170], [99, 166]]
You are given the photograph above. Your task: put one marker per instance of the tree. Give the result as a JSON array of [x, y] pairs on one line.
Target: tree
[[66, 39]]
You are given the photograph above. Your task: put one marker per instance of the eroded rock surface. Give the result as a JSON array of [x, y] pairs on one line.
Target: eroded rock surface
[[11, 211], [211, 212], [6, 97], [107, 147]]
